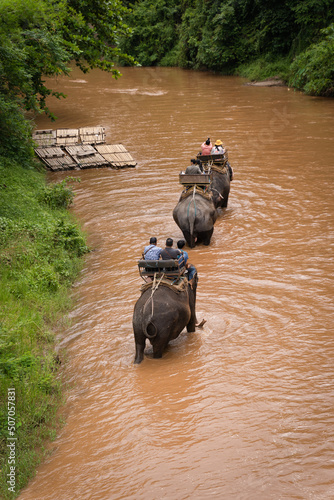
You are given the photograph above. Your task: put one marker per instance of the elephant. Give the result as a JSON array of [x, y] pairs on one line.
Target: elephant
[[161, 314], [220, 184], [195, 215]]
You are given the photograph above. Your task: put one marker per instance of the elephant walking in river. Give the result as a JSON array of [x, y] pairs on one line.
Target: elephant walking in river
[[220, 184], [162, 315], [195, 215]]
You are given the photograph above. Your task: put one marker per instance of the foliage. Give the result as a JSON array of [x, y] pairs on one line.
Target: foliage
[[91, 31], [228, 36], [58, 195], [15, 130], [264, 68], [40, 256], [313, 70], [153, 30], [39, 38]]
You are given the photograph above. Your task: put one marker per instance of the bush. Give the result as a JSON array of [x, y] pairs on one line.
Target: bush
[[313, 70], [58, 195]]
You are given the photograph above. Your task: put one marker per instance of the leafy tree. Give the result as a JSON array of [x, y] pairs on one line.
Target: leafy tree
[[92, 30], [154, 26], [225, 35], [313, 70], [38, 38]]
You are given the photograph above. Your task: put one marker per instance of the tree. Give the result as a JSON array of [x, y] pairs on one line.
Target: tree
[[313, 70], [38, 38]]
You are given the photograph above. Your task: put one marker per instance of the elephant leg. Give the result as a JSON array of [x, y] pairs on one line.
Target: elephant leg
[[225, 201], [207, 237], [159, 348], [192, 323], [157, 352], [139, 352], [190, 238]]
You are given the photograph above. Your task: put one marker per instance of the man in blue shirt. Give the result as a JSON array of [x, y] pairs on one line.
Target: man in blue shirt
[[152, 252], [184, 255], [191, 269]]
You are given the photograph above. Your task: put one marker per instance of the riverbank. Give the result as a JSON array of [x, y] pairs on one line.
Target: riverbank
[[41, 254], [268, 82]]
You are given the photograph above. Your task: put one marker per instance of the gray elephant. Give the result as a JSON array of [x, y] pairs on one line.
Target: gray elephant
[[162, 315], [195, 215], [220, 184]]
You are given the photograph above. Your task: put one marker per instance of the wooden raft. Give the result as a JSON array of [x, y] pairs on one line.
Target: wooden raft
[[86, 156], [55, 158], [117, 155], [65, 149]]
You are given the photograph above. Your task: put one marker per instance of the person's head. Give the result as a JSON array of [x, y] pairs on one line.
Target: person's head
[[153, 240], [169, 242], [207, 142], [193, 161], [180, 244], [218, 143]]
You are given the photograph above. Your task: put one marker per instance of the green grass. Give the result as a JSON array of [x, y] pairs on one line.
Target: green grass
[[264, 68], [41, 254]]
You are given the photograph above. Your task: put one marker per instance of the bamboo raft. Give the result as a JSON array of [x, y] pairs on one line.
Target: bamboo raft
[[68, 149]]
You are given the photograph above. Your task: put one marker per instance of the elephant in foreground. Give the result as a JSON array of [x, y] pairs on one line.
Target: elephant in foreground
[[195, 215], [162, 315], [220, 185]]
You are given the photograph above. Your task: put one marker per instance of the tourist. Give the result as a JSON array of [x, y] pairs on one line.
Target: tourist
[[218, 148], [191, 269], [194, 168], [206, 147], [169, 252], [152, 251]]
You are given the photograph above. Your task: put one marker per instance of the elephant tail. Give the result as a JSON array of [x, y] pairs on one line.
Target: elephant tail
[[192, 215], [150, 330]]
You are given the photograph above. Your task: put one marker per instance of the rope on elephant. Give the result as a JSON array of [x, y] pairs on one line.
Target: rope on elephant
[[219, 194], [179, 287], [222, 169], [200, 191]]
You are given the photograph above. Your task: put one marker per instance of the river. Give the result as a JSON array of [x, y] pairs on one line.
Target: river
[[243, 409]]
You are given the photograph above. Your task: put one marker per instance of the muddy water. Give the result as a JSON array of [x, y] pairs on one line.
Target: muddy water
[[242, 409]]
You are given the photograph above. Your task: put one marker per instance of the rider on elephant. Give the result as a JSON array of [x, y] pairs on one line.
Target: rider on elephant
[[206, 147], [169, 252], [191, 269], [152, 251]]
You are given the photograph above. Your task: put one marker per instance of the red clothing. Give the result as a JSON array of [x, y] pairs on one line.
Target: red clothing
[[206, 149]]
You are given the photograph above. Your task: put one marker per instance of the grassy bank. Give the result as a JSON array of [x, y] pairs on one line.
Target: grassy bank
[[41, 251], [264, 68]]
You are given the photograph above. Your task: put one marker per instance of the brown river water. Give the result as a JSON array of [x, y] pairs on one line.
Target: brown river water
[[243, 409]]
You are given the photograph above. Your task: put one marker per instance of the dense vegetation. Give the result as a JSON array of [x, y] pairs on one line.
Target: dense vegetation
[[293, 39], [40, 256], [41, 246]]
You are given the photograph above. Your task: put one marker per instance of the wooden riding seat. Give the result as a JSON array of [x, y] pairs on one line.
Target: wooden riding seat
[[169, 268], [191, 179]]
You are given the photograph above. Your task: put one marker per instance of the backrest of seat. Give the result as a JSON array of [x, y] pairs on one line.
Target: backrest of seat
[[170, 268], [191, 179]]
